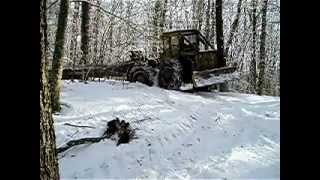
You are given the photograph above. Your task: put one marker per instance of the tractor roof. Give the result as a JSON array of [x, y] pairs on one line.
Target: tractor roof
[[183, 32]]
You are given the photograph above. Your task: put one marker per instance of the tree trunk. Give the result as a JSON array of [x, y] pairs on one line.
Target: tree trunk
[[74, 39], [261, 65], [194, 21], [213, 23], [48, 158], [171, 15], [110, 40], [163, 16], [219, 37], [96, 33], [57, 62], [207, 33], [200, 8], [220, 40], [253, 68], [156, 19], [85, 36], [234, 27]]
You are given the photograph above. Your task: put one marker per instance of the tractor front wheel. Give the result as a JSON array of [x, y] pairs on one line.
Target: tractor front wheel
[[170, 74], [139, 74]]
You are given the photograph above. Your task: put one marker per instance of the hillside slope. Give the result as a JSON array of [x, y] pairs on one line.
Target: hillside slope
[[180, 135]]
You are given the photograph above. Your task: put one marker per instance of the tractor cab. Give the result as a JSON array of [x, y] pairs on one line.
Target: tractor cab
[[194, 52]]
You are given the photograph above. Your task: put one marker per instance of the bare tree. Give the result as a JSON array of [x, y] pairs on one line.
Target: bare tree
[[57, 63], [163, 16], [261, 65], [85, 36], [48, 158], [220, 40], [156, 22], [234, 27], [199, 13], [219, 31], [96, 31], [253, 64], [207, 30], [74, 54], [194, 10], [213, 23]]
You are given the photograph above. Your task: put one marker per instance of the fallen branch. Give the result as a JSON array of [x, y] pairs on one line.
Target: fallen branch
[[121, 128], [80, 141], [68, 124]]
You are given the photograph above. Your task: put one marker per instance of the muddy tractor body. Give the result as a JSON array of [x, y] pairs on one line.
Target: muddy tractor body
[[186, 58]]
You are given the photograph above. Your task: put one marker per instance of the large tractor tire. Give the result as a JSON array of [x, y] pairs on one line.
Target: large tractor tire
[[139, 74], [170, 74]]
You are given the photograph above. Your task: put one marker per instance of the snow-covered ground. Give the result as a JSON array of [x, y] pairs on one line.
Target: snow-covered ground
[[180, 135]]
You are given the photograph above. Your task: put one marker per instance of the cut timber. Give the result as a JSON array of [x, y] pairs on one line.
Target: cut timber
[[214, 76]]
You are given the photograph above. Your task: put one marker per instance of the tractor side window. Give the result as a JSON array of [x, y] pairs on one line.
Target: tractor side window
[[175, 41], [166, 44], [174, 45], [201, 46]]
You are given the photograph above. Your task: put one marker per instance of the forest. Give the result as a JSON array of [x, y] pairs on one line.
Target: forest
[[99, 38], [251, 33]]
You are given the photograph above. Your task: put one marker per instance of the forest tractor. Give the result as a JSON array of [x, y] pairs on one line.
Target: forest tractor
[[185, 63]]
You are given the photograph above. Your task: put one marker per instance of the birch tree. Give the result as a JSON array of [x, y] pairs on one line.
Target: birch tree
[[48, 158]]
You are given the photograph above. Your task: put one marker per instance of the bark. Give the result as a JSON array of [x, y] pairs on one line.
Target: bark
[[171, 15], [262, 58], [157, 13], [234, 27], [57, 62], [48, 159], [110, 39], [219, 36], [96, 33], [163, 16], [85, 35], [207, 32], [194, 22], [75, 33], [220, 40], [200, 14], [213, 23], [253, 68]]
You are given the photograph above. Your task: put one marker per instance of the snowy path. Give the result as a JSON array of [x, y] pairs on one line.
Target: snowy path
[[207, 135]]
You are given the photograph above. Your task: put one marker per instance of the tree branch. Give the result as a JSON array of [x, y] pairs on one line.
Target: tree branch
[[52, 4], [107, 12], [68, 124]]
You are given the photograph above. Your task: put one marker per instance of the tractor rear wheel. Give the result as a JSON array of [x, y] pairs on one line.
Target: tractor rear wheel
[[170, 74]]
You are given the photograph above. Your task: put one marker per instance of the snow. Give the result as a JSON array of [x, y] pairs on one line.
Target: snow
[[187, 86], [183, 135]]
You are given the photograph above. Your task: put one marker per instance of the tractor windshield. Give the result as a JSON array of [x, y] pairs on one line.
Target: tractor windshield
[[190, 42], [191, 38]]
